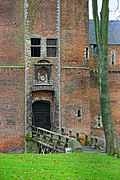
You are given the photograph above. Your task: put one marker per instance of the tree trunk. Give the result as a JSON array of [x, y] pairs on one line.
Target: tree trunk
[[101, 32], [112, 146]]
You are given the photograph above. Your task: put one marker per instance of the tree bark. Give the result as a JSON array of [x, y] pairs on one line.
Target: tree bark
[[101, 33]]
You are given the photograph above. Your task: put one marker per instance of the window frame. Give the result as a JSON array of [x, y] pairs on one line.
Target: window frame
[[99, 124], [51, 46], [112, 57], [36, 46], [79, 113], [87, 53]]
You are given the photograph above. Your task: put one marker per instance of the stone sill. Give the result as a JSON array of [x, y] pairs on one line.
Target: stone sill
[[43, 87]]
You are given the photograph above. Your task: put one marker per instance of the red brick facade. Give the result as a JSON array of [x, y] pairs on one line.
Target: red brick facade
[[12, 125], [114, 84], [69, 80], [12, 79]]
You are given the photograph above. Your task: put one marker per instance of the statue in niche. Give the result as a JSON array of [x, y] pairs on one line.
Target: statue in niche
[[42, 75]]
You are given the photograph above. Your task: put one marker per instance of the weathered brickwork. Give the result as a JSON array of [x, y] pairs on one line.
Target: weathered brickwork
[[11, 33], [114, 81], [75, 90], [116, 49], [12, 108], [74, 32], [42, 18], [114, 85], [12, 124], [93, 58], [75, 80]]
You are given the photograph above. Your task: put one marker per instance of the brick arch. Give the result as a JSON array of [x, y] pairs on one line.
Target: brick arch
[[43, 61], [47, 99]]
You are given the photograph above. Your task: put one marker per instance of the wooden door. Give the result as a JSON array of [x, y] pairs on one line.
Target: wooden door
[[41, 114]]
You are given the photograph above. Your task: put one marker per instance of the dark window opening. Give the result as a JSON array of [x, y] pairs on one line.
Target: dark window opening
[[51, 47], [95, 49], [35, 51], [35, 41], [51, 41], [113, 57], [51, 51], [99, 121], [35, 47], [86, 53], [79, 113]]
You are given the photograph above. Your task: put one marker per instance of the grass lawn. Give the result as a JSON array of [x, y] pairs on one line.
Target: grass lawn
[[73, 166]]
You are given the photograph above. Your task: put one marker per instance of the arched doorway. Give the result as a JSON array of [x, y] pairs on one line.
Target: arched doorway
[[41, 114]]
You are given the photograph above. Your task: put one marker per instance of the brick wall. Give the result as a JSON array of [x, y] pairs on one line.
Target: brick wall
[[43, 17], [94, 58], [74, 32], [11, 33], [75, 88], [114, 81], [12, 124], [74, 78], [114, 84], [116, 49]]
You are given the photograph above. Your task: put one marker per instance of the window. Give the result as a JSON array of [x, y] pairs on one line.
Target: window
[[95, 50], [87, 53], [79, 113], [112, 57], [35, 47], [51, 47], [99, 121]]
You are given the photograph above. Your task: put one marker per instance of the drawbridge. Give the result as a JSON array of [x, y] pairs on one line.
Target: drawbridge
[[57, 142]]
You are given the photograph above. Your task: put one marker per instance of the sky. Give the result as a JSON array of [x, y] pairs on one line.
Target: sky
[[114, 12]]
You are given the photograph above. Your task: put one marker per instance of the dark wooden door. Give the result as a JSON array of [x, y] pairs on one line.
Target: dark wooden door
[[41, 114]]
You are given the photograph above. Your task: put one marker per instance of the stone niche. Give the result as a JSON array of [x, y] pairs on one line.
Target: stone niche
[[42, 73]]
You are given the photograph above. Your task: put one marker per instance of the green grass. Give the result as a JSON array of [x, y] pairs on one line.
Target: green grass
[[74, 166]]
